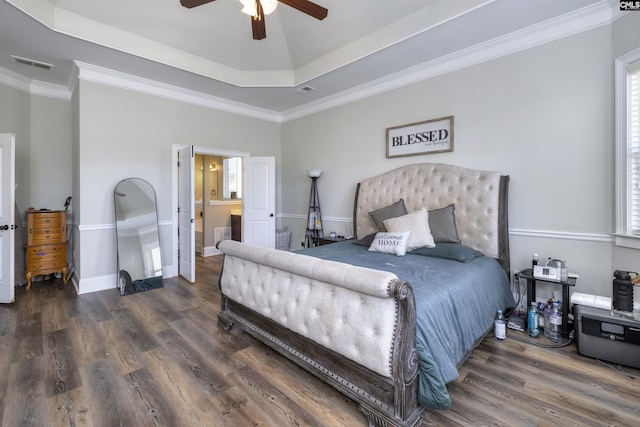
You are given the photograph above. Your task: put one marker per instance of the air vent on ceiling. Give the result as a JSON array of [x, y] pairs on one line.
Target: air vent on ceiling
[[304, 89], [32, 62]]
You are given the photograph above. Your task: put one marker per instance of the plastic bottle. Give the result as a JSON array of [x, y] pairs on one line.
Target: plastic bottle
[[532, 321], [546, 327], [500, 326], [555, 323]]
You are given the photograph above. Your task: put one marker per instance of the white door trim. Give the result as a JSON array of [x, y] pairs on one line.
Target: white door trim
[[175, 148], [7, 217]]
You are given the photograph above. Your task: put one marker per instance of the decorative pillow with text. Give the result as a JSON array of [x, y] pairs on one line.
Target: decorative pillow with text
[[391, 243]]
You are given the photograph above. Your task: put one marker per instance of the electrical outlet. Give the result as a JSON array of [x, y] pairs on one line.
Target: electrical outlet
[[514, 278]]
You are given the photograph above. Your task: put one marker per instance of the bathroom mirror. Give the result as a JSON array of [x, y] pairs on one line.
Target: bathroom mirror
[[139, 261]]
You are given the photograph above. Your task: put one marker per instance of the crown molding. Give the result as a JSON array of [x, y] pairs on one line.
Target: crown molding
[[33, 87], [581, 20], [97, 74], [594, 16]]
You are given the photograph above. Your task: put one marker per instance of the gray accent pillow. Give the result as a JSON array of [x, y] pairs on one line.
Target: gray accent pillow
[[452, 251], [366, 240], [442, 223], [392, 211]]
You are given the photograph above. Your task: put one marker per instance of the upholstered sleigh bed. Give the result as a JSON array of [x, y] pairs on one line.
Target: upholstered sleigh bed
[[357, 325]]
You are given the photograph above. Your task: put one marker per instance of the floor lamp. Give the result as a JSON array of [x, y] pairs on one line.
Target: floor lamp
[[314, 219]]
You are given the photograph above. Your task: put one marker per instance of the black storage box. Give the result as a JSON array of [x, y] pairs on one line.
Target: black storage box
[[606, 337]]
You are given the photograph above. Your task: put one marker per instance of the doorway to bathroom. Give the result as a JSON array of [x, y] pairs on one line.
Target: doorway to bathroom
[[238, 182], [217, 201]]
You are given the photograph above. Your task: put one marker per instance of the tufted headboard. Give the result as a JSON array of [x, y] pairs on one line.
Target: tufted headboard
[[480, 199]]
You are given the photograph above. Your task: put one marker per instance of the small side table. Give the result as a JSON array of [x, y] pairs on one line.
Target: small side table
[[329, 240], [531, 294]]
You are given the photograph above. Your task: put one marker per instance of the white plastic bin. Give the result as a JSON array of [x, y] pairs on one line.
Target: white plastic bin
[[283, 239]]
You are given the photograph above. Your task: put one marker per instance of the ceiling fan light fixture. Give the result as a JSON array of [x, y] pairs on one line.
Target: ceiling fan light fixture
[[251, 6], [269, 6]]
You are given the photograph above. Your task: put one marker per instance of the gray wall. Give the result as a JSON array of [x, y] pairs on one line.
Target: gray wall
[[42, 127], [50, 159], [15, 117], [129, 134], [544, 116]]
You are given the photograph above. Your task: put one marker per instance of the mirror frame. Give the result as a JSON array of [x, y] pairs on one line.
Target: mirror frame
[[144, 271]]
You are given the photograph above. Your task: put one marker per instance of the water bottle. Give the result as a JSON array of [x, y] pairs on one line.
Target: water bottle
[[532, 321], [546, 327], [555, 323], [500, 326]]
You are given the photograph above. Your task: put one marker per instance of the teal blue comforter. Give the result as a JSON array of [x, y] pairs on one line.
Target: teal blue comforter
[[456, 304]]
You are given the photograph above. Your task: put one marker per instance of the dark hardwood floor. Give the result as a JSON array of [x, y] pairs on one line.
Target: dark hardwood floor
[[157, 358]]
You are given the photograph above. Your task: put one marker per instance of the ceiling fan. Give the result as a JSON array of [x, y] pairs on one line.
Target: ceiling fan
[[259, 8]]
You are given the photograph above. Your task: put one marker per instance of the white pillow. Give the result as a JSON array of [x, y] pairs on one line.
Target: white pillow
[[418, 223], [391, 243]]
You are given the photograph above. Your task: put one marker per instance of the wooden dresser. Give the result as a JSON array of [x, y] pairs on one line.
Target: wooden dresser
[[46, 244]]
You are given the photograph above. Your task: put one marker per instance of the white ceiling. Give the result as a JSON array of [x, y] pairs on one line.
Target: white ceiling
[[209, 49]]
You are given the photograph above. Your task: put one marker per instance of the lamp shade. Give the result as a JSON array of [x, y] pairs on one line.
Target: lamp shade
[[251, 8], [314, 173], [269, 6]]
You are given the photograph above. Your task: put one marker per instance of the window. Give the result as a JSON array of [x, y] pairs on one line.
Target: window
[[628, 150], [232, 177]]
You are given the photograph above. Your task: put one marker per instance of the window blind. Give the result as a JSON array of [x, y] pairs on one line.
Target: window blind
[[633, 144]]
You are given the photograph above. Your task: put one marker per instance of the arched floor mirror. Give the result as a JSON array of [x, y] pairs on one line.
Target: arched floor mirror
[[139, 260]]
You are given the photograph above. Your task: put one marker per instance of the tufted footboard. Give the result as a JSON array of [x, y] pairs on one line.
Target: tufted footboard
[[352, 327]]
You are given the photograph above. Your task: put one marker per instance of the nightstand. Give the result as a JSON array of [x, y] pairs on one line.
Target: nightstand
[[329, 240], [531, 294]]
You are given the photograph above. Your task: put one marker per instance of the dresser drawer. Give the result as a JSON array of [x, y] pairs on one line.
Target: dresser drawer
[[46, 220], [45, 250], [51, 236], [41, 265], [46, 227], [46, 257], [47, 261]]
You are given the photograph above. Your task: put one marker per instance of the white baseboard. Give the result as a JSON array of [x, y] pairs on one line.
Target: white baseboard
[[95, 284], [211, 250]]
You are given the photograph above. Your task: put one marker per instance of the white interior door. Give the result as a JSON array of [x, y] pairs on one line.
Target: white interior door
[[259, 201], [7, 220], [186, 219]]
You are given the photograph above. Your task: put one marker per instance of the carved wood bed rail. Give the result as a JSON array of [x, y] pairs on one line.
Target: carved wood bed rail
[[378, 370]]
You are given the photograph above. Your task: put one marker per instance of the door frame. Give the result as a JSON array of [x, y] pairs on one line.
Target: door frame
[[174, 191], [7, 281]]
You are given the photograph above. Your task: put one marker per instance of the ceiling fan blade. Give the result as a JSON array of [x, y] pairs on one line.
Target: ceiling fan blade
[[193, 3], [305, 6], [257, 24]]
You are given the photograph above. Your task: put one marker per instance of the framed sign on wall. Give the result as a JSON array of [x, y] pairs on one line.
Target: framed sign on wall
[[430, 136]]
